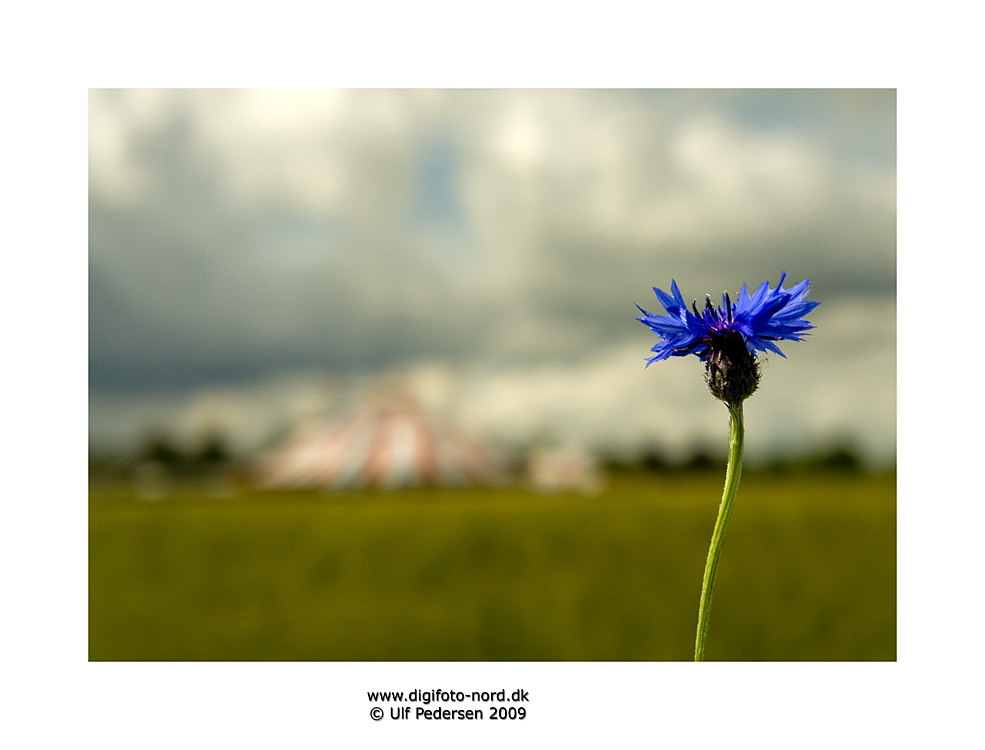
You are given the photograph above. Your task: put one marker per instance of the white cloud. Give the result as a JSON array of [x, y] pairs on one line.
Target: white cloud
[[116, 122]]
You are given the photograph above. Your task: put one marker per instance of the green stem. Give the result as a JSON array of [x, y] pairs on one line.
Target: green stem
[[736, 437]]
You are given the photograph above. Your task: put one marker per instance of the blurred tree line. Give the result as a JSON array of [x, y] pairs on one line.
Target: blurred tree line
[[209, 455], [211, 452], [840, 459]]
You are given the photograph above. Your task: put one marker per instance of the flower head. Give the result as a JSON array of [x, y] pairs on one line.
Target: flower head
[[727, 338]]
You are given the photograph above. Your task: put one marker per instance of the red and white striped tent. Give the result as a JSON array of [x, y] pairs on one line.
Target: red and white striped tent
[[388, 443]]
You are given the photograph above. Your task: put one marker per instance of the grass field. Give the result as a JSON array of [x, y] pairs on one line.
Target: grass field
[[808, 573]]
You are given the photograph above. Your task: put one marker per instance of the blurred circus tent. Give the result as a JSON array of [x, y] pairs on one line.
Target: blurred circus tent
[[387, 442]]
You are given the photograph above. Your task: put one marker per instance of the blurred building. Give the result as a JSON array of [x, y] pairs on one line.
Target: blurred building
[[387, 442], [565, 469]]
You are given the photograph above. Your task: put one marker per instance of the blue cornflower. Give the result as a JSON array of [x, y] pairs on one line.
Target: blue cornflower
[[728, 337], [766, 316]]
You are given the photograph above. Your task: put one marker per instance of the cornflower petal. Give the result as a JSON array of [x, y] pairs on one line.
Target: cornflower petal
[[761, 318]]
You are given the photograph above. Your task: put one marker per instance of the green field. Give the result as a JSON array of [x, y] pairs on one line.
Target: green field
[[808, 573]]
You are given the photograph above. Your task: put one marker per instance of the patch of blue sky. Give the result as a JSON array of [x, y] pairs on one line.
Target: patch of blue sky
[[437, 194], [439, 215]]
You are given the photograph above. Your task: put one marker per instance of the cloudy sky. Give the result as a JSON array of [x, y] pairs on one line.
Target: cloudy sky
[[259, 256]]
